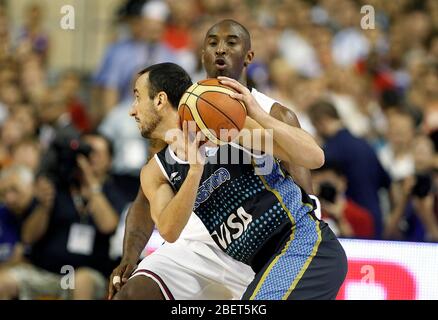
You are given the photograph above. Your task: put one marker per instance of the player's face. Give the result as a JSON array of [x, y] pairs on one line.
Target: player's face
[[143, 109], [224, 52]]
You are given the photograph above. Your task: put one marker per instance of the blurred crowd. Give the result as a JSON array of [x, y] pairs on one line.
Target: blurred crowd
[[70, 155]]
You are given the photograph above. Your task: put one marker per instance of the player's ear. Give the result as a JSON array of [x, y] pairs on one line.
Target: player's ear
[[248, 58], [160, 100], [202, 57]]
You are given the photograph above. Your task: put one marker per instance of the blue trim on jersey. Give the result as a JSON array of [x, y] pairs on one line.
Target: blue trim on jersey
[[288, 190], [291, 264]]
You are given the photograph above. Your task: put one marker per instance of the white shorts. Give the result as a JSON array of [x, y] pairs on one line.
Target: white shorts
[[195, 270]]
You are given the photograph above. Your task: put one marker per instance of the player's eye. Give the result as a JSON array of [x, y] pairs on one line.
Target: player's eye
[[212, 43], [232, 43]]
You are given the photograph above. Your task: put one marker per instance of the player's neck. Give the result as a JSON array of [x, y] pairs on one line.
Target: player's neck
[[243, 79], [168, 123]]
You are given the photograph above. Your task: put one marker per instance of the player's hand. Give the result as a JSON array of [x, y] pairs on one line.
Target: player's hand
[[45, 192], [189, 145], [243, 94], [119, 277]]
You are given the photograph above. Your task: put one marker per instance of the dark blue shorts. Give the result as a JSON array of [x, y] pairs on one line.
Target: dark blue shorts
[[310, 264]]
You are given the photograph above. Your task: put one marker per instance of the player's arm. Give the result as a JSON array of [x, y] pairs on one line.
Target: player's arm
[[300, 175], [291, 144], [170, 211], [138, 230]]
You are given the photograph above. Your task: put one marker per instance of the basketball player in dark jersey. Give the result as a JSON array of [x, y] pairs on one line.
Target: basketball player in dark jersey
[[231, 58], [264, 220]]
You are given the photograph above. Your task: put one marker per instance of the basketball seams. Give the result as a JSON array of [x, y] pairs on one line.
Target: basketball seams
[[206, 101], [203, 127], [190, 101], [215, 84]]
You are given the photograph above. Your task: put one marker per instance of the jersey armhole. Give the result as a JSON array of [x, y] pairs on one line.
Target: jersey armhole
[[160, 165]]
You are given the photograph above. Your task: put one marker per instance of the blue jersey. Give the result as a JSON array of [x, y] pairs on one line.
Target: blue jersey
[[247, 213]]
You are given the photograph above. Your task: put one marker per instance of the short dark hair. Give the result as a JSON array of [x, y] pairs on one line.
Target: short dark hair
[[168, 77], [332, 166], [108, 141], [245, 32], [322, 109]]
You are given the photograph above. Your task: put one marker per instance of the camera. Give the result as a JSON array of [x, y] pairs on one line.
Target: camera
[[327, 191], [60, 162], [423, 185]]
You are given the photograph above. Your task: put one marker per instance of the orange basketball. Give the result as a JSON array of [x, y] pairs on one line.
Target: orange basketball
[[216, 114]]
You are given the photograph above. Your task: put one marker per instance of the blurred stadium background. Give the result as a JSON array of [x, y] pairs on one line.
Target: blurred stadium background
[[73, 67]]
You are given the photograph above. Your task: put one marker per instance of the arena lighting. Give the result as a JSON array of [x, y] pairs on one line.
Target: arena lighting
[[381, 270]]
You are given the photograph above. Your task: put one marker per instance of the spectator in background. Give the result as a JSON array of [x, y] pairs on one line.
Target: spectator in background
[[55, 119], [396, 155], [27, 153], [353, 155], [349, 44], [71, 225], [347, 218], [146, 47], [107, 94], [25, 115], [69, 85], [16, 202], [32, 37], [130, 148], [414, 217]]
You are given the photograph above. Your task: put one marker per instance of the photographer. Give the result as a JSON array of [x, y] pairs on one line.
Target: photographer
[[345, 217], [414, 216], [76, 215]]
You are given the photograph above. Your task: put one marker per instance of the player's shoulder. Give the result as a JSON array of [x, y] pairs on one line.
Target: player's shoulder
[[151, 170]]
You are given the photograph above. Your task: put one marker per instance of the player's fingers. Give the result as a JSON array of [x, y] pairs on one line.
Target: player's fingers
[[233, 84], [111, 288], [200, 137], [128, 271], [237, 96]]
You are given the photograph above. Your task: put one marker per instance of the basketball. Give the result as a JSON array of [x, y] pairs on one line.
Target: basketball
[[216, 114]]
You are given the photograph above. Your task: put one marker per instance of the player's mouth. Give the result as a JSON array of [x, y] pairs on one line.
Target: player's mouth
[[220, 64]]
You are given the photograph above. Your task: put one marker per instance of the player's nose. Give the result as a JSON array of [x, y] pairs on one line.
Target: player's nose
[[221, 48]]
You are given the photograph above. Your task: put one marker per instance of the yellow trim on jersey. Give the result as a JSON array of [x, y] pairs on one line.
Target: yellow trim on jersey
[[286, 247], [268, 270], [307, 263], [280, 199]]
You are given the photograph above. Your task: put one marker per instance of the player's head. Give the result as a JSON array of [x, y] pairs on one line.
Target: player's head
[[157, 90], [227, 50]]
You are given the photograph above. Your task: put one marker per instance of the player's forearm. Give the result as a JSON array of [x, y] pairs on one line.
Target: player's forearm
[[172, 220], [138, 228], [302, 150]]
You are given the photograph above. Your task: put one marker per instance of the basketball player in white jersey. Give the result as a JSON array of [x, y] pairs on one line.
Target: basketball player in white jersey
[[194, 267]]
